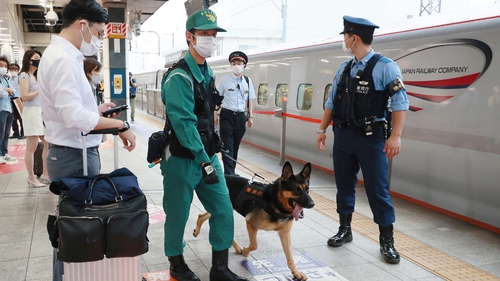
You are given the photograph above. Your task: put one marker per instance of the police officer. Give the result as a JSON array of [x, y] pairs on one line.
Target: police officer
[[364, 91], [238, 93], [190, 98]]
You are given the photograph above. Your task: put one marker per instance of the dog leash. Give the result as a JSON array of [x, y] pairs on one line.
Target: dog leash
[[254, 173]]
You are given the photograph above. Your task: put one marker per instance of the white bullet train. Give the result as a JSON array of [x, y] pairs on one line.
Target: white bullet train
[[450, 155]]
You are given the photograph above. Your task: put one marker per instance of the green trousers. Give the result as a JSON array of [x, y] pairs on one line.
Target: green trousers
[[181, 177]]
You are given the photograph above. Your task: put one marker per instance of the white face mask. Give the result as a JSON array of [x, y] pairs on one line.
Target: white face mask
[[205, 45], [344, 45], [237, 68], [90, 49], [13, 74], [96, 79], [3, 71]]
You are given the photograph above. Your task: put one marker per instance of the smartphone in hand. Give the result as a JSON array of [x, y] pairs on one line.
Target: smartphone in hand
[[109, 112]]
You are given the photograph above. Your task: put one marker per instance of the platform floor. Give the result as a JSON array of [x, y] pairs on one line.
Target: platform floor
[[433, 246]]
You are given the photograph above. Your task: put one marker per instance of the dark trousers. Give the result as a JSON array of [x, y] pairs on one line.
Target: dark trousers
[[353, 150], [18, 129], [232, 130], [5, 125]]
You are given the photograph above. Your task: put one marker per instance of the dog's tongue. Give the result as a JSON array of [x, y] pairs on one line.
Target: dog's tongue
[[296, 211]]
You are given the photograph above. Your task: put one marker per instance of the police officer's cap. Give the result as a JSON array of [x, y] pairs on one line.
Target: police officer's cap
[[238, 55], [358, 26]]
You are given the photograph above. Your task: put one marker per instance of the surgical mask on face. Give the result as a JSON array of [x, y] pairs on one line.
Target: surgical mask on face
[[205, 45], [35, 63], [3, 71], [237, 68], [89, 49], [96, 79], [344, 45], [13, 73]]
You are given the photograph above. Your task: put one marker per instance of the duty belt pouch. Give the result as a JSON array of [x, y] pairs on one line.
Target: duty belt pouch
[[91, 231]]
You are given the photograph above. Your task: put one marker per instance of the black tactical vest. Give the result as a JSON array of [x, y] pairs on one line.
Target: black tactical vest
[[356, 99], [204, 105]]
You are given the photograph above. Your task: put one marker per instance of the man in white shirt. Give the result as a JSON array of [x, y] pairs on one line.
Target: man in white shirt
[[68, 103]]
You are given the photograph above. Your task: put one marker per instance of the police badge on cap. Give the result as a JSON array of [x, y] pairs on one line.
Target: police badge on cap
[[358, 26]]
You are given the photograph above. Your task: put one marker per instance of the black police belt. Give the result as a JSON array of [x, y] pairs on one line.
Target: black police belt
[[232, 112]]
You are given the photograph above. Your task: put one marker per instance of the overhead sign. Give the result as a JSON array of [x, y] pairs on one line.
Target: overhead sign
[[116, 30]]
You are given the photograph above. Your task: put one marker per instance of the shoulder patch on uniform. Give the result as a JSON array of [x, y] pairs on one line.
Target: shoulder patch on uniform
[[385, 59]]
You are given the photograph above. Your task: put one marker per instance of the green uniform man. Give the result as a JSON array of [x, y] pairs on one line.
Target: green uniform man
[[193, 165]]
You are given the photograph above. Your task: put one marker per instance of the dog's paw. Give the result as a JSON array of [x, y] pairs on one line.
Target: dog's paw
[[245, 252], [238, 249], [299, 275]]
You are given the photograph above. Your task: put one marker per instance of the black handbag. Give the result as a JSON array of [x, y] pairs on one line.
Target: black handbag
[[88, 232]]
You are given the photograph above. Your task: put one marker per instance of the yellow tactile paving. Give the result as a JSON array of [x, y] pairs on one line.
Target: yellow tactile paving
[[426, 256]]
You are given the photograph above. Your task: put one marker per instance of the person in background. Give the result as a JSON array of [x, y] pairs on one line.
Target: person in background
[[33, 119], [68, 104], [362, 131], [17, 104], [189, 95], [92, 69], [238, 93], [100, 92], [7, 92], [133, 92]]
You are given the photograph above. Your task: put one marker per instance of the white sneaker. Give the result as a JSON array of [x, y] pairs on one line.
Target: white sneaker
[[2, 161], [9, 158]]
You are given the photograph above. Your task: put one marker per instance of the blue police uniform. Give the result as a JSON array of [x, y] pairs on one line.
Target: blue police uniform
[[237, 92], [354, 147]]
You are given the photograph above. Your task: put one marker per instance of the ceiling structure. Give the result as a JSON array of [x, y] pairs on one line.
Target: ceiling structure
[[18, 18]]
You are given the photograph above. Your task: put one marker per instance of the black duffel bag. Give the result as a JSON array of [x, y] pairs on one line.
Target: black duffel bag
[[88, 232]]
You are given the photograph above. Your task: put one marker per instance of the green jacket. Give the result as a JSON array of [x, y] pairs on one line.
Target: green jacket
[[178, 95]]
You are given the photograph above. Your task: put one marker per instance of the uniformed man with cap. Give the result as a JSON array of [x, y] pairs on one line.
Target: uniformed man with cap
[[365, 90], [189, 94], [237, 90]]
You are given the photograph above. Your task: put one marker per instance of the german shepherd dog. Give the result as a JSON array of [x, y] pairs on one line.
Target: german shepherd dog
[[269, 207]]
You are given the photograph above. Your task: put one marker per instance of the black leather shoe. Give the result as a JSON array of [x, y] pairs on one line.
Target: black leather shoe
[[180, 270], [14, 136], [343, 236], [21, 137]]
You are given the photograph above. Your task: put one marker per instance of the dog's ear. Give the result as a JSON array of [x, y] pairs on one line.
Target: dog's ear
[[287, 171], [306, 171]]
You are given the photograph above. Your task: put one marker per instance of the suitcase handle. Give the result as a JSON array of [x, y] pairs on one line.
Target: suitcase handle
[[113, 131]]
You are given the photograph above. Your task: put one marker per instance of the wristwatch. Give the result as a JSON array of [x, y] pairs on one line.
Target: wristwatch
[[126, 126], [321, 131]]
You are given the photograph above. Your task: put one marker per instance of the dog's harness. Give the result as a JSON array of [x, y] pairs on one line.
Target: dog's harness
[[255, 192]]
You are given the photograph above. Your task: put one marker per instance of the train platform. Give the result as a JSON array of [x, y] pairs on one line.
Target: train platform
[[432, 246]]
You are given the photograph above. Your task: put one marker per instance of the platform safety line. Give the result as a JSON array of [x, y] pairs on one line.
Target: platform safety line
[[433, 260]]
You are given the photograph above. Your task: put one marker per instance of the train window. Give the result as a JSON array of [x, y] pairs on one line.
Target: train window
[[263, 94], [328, 89], [281, 91], [305, 96]]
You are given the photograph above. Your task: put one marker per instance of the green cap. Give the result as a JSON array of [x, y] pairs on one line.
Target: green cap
[[203, 20]]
